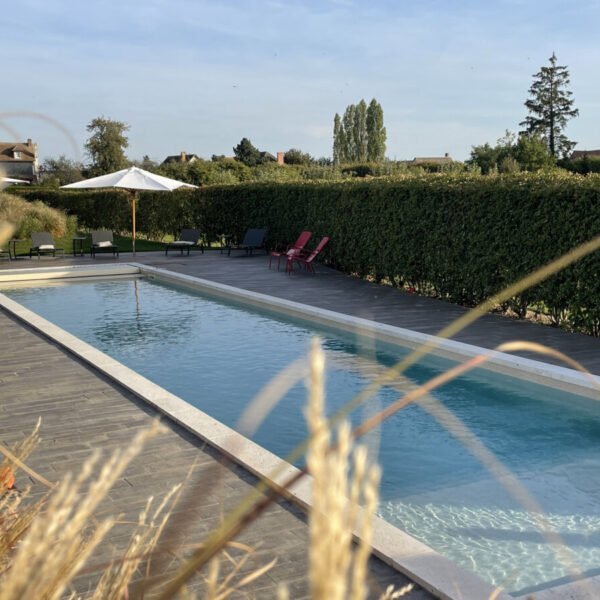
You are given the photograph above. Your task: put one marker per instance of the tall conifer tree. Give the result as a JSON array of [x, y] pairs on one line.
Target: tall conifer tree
[[550, 106]]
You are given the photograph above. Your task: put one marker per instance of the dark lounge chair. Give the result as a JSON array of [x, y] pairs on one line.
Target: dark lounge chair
[[188, 239], [254, 239], [102, 241], [42, 243], [296, 248], [306, 259]]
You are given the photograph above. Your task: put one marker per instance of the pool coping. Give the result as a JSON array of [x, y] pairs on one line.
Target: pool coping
[[431, 570]]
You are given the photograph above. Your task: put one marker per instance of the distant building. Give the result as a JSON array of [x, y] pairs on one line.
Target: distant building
[[19, 160], [431, 160], [182, 157], [583, 153], [267, 157]]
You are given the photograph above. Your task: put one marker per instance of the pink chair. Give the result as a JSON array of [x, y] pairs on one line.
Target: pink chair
[[296, 248], [306, 259]]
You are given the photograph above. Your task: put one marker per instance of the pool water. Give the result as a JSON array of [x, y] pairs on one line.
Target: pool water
[[218, 355]]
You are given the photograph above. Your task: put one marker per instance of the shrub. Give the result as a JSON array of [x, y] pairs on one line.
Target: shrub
[[28, 217]]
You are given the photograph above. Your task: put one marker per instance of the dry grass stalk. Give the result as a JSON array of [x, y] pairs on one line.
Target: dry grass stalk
[[392, 594], [220, 587], [336, 571], [15, 520], [60, 540], [114, 583]]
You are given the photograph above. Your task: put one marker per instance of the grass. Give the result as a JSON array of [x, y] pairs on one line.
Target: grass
[[123, 242]]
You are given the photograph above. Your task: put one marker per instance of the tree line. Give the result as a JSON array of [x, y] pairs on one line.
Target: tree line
[[359, 146]]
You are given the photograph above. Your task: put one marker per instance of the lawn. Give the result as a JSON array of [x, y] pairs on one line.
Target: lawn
[[124, 244]]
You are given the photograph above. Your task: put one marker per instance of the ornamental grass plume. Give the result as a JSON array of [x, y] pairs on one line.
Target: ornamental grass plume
[[60, 539], [342, 480], [46, 544]]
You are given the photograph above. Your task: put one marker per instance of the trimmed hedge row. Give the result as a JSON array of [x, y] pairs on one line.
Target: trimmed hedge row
[[461, 238]]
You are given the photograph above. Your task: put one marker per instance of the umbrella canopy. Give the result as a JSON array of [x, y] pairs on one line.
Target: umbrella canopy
[[11, 180], [132, 180]]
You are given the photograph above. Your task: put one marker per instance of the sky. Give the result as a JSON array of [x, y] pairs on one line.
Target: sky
[[199, 75]]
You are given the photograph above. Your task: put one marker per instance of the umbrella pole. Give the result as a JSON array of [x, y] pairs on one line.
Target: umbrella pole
[[133, 203]]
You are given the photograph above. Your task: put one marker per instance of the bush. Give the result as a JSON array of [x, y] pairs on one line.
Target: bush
[[587, 164], [28, 217], [457, 237]]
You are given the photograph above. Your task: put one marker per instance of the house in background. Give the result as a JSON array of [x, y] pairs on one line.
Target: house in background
[[19, 160], [585, 153], [182, 157], [431, 160], [267, 157]]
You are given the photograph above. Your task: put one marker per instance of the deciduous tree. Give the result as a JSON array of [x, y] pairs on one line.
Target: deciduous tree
[[376, 133], [60, 171], [106, 145], [359, 135], [296, 157]]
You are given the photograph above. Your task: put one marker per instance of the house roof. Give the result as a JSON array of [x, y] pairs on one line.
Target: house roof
[[7, 149], [179, 158], [582, 153], [431, 159]]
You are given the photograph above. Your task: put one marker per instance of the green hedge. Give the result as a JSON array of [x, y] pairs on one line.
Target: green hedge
[[460, 238]]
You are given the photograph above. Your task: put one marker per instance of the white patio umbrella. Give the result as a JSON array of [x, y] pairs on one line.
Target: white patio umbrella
[[133, 180], [11, 180]]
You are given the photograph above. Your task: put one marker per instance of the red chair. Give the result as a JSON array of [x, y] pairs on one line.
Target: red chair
[[306, 259], [296, 248]]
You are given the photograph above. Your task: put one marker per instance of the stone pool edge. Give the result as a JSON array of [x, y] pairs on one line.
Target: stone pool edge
[[432, 571]]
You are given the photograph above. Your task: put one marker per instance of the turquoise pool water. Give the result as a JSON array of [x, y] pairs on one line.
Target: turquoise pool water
[[218, 355]]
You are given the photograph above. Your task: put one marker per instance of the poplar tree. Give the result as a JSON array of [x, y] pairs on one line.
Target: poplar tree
[[376, 132], [349, 148], [359, 135], [550, 106], [338, 140], [360, 132]]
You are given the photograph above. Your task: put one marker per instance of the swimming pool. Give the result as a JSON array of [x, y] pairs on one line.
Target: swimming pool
[[217, 355]]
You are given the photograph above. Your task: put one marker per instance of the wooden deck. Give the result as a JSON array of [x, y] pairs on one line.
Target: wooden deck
[[82, 411]]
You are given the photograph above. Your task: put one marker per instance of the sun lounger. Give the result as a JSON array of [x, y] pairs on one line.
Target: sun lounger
[[102, 241], [254, 239], [188, 239], [42, 243]]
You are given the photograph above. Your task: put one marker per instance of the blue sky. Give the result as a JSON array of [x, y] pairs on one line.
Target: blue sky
[[198, 75]]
